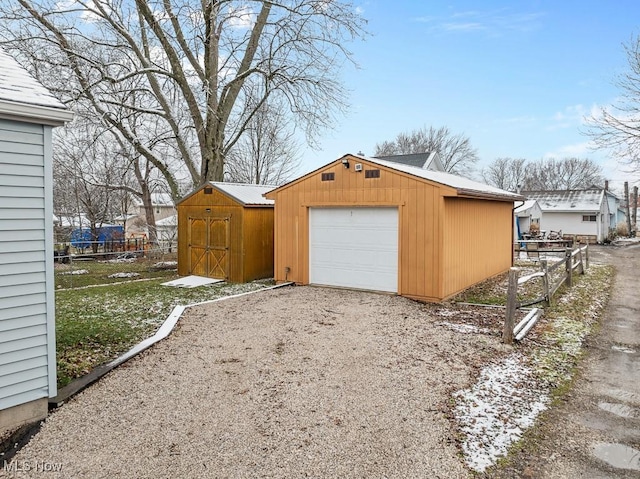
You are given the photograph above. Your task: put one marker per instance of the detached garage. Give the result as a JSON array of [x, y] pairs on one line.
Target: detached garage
[[372, 224], [225, 231]]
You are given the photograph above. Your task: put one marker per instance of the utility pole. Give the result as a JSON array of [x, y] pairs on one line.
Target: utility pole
[[634, 206], [627, 209]]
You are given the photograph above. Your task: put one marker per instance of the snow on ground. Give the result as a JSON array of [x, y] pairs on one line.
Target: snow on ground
[[465, 328], [124, 275], [77, 271], [497, 410]]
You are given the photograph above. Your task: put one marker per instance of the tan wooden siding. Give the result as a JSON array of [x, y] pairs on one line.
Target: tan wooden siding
[[258, 243], [419, 222], [477, 242], [249, 232]]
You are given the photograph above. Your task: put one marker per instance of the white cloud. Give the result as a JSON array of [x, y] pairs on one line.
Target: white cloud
[[493, 22], [579, 150], [242, 17]]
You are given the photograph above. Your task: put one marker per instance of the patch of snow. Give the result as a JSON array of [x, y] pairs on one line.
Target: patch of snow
[[191, 282], [166, 264], [122, 260], [497, 410], [77, 271], [464, 328], [623, 349], [124, 275]]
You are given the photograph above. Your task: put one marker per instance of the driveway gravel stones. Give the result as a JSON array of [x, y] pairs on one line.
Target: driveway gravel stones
[[292, 382]]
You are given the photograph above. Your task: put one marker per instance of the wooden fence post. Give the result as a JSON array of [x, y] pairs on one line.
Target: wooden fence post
[[512, 298], [581, 264], [545, 281], [586, 255], [569, 267]]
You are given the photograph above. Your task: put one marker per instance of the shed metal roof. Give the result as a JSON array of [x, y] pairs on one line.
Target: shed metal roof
[[21, 95], [243, 193], [560, 201]]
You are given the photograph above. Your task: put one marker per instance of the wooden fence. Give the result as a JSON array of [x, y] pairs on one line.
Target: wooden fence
[[575, 260]]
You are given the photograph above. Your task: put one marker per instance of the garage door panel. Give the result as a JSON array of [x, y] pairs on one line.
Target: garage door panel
[[354, 247]]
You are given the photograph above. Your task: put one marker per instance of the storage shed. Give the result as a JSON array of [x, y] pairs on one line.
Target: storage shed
[[28, 112], [372, 224], [225, 231]]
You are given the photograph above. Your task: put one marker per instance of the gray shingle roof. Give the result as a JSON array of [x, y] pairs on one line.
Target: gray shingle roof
[[17, 85], [415, 159], [567, 200]]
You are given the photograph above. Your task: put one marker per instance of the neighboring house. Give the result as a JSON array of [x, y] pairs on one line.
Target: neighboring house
[[167, 232], [581, 214], [28, 113], [525, 215], [372, 224], [428, 161], [613, 205], [135, 222], [225, 231]]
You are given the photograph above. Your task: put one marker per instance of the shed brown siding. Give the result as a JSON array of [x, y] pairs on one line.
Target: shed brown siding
[[476, 242], [258, 243], [446, 243], [250, 235]]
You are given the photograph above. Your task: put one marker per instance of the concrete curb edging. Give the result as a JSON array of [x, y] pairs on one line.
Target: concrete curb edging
[[74, 387]]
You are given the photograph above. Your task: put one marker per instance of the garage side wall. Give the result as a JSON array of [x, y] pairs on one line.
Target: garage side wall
[[214, 205], [258, 243], [419, 222], [27, 341], [477, 242]]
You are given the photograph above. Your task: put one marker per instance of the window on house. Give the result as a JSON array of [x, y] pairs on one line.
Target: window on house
[[372, 173], [589, 218], [328, 176]]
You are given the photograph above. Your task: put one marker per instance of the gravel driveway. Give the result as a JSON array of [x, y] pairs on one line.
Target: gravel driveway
[[292, 382]]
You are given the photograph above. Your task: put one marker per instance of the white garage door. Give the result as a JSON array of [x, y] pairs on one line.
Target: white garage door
[[354, 248]]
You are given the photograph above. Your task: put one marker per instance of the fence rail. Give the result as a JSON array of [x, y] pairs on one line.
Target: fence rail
[[576, 259]]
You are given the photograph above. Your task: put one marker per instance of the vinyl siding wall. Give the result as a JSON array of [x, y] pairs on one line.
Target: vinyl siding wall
[[27, 338]]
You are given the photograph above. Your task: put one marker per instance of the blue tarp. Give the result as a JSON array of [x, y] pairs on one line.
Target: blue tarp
[[83, 237]]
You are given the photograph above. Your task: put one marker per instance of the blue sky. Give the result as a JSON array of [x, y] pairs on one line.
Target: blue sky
[[516, 77]]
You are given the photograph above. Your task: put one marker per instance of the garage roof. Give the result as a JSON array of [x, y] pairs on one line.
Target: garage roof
[[22, 97], [464, 186]]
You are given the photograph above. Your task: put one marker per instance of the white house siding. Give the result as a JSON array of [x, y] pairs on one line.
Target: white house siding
[[572, 224], [27, 339]]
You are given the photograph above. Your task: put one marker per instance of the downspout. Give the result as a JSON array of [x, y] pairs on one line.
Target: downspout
[[513, 218]]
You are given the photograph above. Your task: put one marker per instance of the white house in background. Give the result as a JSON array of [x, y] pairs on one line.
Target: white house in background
[[135, 221], [427, 161], [167, 232], [28, 113], [525, 215], [582, 214]]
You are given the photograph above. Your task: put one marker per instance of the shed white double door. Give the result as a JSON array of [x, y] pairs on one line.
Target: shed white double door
[[354, 248]]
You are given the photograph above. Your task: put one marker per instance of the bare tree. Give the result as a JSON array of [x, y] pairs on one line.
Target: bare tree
[[617, 127], [80, 173], [564, 174], [506, 173], [200, 69], [268, 153], [455, 150]]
